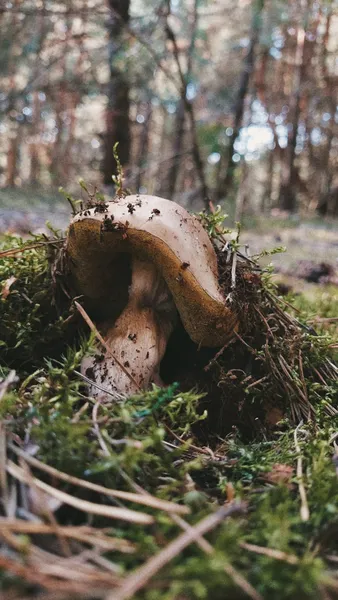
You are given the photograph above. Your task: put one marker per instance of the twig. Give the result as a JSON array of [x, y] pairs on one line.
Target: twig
[[85, 534], [102, 443], [104, 510], [140, 577], [291, 559], [323, 320], [237, 578], [14, 251], [304, 509], [3, 474], [215, 358], [147, 500], [46, 510], [233, 270]]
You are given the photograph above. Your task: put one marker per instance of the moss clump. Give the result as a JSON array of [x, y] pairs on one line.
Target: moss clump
[[232, 439], [32, 323]]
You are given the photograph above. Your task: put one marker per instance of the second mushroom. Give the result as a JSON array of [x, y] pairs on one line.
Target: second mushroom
[[141, 262]]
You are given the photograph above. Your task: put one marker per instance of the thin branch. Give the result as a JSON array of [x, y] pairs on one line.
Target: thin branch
[[304, 509], [139, 578], [89, 507], [147, 500]]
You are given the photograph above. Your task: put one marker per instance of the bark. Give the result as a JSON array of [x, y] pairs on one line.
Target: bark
[[34, 145], [225, 184], [143, 146], [288, 187], [189, 111], [180, 114], [14, 141], [12, 159], [177, 148], [117, 113]]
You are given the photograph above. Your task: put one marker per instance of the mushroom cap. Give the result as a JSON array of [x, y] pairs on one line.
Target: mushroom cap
[[164, 233]]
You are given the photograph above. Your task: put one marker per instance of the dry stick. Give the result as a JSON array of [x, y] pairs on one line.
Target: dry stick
[[291, 559], [301, 373], [201, 542], [3, 474], [14, 251], [102, 443], [205, 451], [238, 579], [86, 534], [124, 514], [91, 325], [304, 509], [139, 578], [208, 549], [13, 566], [324, 320], [148, 500], [64, 545]]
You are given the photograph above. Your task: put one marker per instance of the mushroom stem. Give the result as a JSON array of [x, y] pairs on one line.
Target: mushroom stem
[[138, 338]]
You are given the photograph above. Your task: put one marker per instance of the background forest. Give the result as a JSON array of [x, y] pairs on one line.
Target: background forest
[[208, 99]]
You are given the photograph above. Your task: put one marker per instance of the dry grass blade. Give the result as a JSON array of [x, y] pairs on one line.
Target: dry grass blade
[[83, 533], [124, 514], [3, 459], [145, 500], [11, 565], [139, 578], [304, 508], [291, 559], [237, 578]]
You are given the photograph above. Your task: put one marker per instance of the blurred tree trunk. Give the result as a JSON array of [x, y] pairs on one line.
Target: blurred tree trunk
[[288, 188], [59, 98], [176, 148], [15, 130], [12, 159], [35, 142], [142, 155], [225, 184], [117, 113], [327, 170], [180, 113]]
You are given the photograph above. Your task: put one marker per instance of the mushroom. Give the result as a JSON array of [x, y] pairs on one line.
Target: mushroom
[[173, 272]]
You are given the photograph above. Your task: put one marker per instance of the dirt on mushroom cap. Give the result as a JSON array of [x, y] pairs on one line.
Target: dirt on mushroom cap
[[164, 233]]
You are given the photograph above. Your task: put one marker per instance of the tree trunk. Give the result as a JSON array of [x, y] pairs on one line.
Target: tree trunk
[[142, 157], [288, 188], [117, 113], [225, 184], [177, 148]]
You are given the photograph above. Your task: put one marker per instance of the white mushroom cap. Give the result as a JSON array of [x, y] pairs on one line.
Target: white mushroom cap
[[164, 233]]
